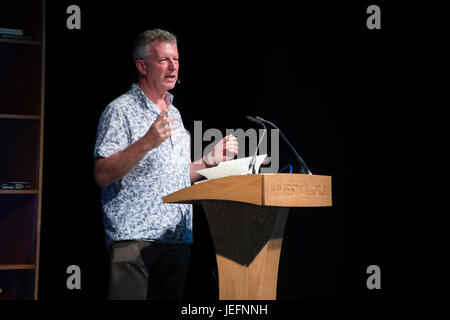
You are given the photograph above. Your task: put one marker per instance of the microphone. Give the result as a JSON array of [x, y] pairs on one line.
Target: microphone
[[252, 166], [303, 167]]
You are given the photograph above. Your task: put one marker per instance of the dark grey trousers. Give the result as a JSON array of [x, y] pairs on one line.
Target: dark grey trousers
[[147, 270]]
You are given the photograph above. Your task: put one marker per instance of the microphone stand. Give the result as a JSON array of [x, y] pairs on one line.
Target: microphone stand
[[252, 166], [303, 167]]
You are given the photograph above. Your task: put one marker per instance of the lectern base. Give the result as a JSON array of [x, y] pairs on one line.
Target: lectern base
[[247, 240]]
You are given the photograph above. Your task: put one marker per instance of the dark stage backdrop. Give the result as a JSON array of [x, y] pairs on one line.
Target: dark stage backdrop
[[313, 68]]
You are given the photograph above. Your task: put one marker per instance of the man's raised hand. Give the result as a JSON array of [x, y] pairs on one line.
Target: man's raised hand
[[225, 150], [161, 129]]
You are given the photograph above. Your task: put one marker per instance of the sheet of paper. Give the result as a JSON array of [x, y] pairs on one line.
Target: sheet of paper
[[232, 168]]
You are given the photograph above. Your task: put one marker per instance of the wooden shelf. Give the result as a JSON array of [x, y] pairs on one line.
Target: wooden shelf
[[19, 191], [22, 79], [20, 41], [19, 116], [13, 266]]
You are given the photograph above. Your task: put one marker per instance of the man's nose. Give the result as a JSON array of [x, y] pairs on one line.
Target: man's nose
[[172, 65]]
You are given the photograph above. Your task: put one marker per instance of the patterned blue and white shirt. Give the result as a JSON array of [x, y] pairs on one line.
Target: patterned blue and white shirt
[[132, 206]]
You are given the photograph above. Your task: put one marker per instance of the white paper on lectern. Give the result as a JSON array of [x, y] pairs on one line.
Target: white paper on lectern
[[234, 167]]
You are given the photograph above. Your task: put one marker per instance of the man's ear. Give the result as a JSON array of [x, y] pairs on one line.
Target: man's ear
[[140, 66]]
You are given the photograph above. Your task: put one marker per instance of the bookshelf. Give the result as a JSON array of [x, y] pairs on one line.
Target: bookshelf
[[22, 75], [21, 42]]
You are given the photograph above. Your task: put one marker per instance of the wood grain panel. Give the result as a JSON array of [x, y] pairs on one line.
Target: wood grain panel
[[247, 239], [279, 190], [297, 190], [247, 216], [237, 188]]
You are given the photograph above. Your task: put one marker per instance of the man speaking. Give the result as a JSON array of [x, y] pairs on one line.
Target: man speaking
[[142, 153]]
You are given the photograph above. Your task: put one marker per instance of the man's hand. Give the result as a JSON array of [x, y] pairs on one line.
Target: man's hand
[[160, 129], [226, 149], [110, 169]]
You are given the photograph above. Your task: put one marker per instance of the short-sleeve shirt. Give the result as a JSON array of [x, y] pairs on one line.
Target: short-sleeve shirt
[[132, 206]]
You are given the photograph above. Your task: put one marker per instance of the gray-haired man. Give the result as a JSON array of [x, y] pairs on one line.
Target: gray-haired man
[[142, 153]]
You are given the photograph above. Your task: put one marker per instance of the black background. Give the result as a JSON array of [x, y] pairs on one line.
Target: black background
[[311, 67]]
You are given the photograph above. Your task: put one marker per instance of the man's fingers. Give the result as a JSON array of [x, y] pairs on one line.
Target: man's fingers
[[163, 114], [231, 144], [231, 147], [169, 134], [170, 128], [166, 121]]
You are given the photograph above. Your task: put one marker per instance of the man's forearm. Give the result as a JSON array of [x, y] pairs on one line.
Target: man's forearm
[[194, 166], [110, 169]]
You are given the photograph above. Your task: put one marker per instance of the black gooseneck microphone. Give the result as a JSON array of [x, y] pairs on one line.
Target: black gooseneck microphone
[[303, 167], [252, 166]]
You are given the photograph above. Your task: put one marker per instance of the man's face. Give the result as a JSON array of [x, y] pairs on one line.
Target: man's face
[[162, 65]]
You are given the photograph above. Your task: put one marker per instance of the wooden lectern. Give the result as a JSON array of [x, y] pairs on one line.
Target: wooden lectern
[[247, 215]]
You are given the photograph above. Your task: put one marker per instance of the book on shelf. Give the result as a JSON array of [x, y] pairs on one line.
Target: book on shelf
[[9, 185], [11, 36], [17, 34], [9, 31]]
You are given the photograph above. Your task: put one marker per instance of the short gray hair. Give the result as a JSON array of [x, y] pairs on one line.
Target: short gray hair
[[143, 41]]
